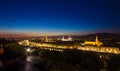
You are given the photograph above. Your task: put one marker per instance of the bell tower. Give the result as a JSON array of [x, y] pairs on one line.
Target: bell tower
[[96, 40], [46, 39], [69, 37]]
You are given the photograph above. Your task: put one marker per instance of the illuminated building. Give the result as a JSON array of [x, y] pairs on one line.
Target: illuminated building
[[25, 42], [96, 42], [46, 39], [67, 39]]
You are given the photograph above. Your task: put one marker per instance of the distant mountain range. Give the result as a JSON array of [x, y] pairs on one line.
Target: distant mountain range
[[102, 36]]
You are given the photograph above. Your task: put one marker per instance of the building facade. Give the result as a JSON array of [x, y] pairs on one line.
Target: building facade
[[95, 43]]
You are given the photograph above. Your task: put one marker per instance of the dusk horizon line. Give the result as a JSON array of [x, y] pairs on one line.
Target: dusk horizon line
[[21, 34]]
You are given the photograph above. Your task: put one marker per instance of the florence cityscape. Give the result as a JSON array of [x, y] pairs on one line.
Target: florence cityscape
[[59, 35]]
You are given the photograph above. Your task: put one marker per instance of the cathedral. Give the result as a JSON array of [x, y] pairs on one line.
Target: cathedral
[[96, 42], [67, 39]]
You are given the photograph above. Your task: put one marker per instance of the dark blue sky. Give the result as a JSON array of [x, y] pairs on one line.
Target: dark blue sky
[[60, 16]]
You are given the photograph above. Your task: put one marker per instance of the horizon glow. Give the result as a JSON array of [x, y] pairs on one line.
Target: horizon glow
[[59, 17]]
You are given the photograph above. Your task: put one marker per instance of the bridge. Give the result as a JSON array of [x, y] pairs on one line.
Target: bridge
[[111, 50]]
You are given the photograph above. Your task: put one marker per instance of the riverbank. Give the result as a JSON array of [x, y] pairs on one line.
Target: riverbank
[[51, 65]]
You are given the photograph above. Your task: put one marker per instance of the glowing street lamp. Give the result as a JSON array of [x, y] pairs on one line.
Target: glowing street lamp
[[28, 49]]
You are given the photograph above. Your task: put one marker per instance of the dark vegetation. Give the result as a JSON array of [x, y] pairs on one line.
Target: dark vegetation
[[11, 49], [13, 53]]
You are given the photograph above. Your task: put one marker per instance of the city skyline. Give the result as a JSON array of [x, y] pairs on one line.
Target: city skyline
[[56, 17]]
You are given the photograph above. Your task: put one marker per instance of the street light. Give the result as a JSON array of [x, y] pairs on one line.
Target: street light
[[28, 49]]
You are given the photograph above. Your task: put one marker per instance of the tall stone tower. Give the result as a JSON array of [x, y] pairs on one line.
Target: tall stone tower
[[63, 38], [69, 37], [46, 39], [96, 40]]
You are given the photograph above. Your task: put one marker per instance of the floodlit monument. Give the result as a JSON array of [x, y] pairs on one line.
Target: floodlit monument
[[67, 39], [25, 42], [95, 43], [46, 39]]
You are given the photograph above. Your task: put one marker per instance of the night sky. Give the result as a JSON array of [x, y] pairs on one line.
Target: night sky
[[60, 16]]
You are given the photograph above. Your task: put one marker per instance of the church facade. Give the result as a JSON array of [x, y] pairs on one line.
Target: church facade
[[95, 43]]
